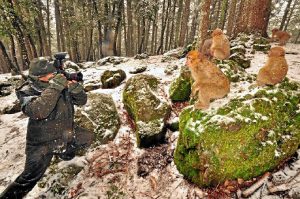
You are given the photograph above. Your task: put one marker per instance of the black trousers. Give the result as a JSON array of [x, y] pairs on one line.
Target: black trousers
[[38, 158]]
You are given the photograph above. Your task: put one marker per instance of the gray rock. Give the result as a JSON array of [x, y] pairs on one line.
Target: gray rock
[[148, 111], [112, 78], [141, 56], [138, 69], [100, 116]]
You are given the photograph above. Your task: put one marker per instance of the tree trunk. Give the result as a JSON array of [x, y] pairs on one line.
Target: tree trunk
[[48, 28], [290, 15], [223, 13], [9, 63], [130, 29], [178, 22], [143, 32], [231, 17], [296, 40], [184, 22], [259, 16], [171, 40], [20, 36], [99, 29], [118, 26], [58, 25], [13, 52], [204, 22], [217, 14], [286, 11], [195, 21]]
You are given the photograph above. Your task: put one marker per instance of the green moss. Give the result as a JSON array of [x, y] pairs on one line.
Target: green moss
[[147, 110], [244, 139], [180, 89]]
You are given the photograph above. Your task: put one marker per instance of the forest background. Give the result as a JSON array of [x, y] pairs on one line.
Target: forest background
[[92, 29]]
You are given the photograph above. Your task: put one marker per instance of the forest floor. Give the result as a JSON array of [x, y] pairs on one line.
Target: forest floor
[[142, 173]]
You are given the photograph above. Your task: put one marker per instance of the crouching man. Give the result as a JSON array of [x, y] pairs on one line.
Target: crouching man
[[48, 100]]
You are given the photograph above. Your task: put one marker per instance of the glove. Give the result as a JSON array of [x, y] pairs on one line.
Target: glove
[[59, 82], [75, 88]]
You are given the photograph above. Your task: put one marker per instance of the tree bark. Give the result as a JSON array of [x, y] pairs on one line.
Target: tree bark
[[204, 22], [20, 36], [286, 11], [118, 26], [178, 22], [184, 22], [130, 28], [9, 62], [231, 17], [13, 51], [223, 13], [290, 15]]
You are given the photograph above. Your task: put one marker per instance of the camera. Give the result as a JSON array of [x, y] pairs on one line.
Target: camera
[[58, 64]]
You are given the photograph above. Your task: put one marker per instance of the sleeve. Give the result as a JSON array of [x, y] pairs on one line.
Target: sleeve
[[78, 95], [79, 98], [38, 107]]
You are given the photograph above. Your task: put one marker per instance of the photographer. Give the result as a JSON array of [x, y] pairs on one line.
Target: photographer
[[48, 99]]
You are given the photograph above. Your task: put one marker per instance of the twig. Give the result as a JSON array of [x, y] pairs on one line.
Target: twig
[[256, 185]]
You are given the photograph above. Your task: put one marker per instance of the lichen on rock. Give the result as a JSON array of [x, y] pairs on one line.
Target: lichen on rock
[[140, 97], [180, 89], [100, 116], [252, 134]]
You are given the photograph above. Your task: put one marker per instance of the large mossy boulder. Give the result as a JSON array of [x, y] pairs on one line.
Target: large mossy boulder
[[180, 89], [149, 112], [100, 116], [112, 78], [252, 134]]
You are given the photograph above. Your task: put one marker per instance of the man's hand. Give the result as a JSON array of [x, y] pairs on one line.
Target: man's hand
[[74, 87], [59, 82]]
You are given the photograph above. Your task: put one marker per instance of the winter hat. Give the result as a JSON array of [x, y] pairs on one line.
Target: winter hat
[[41, 66]]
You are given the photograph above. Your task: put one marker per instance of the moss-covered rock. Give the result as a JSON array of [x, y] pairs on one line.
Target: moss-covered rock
[[100, 116], [261, 44], [252, 134], [240, 59], [149, 112], [112, 78], [238, 49], [180, 88], [234, 71]]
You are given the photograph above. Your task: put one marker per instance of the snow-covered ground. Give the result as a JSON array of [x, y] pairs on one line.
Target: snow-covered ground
[[163, 180]]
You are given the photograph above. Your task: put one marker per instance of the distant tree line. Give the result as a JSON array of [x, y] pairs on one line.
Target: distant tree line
[[91, 29]]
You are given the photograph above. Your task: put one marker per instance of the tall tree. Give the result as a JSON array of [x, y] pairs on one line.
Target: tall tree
[[184, 22], [231, 17], [286, 11], [259, 16], [204, 22]]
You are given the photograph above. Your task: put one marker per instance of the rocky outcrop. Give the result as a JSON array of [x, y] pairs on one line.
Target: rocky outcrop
[[112, 78], [252, 134], [149, 112], [100, 116]]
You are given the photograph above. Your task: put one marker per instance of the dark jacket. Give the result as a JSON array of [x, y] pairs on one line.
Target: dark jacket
[[50, 112]]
